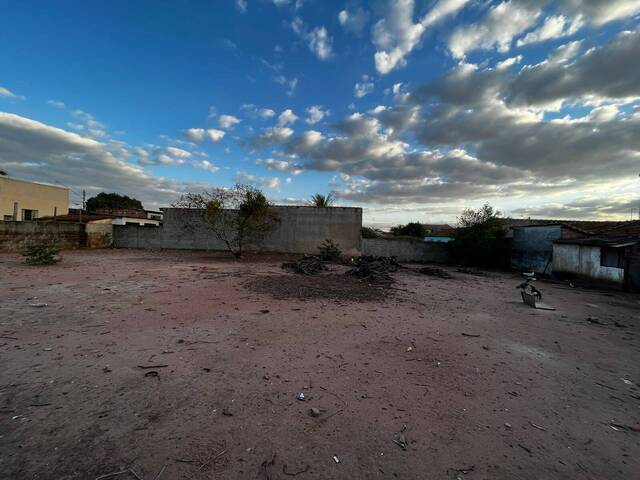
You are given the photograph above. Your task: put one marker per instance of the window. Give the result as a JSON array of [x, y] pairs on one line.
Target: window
[[612, 257], [8, 218], [29, 214]]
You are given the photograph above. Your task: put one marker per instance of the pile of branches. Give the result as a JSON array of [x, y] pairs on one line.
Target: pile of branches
[[434, 272], [307, 265], [376, 269]]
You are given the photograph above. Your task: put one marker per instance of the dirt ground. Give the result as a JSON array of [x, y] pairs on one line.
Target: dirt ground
[[187, 365]]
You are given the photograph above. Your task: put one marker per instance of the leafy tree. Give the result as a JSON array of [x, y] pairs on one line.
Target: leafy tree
[[320, 200], [411, 229], [113, 200], [236, 216], [368, 232], [481, 238]]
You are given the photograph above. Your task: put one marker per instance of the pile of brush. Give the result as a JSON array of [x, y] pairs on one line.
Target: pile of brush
[[375, 269], [307, 265]]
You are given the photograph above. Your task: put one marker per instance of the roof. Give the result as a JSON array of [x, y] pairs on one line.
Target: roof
[[75, 218], [588, 227], [614, 242], [439, 230]]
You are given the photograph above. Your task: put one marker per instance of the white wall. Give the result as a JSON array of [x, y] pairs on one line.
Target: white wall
[[585, 261]]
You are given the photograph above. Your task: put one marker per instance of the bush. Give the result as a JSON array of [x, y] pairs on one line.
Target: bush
[[41, 251], [368, 232], [411, 229], [329, 250]]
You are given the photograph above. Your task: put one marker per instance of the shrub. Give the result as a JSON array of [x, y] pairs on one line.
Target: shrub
[[368, 232], [329, 250], [42, 251], [411, 229]]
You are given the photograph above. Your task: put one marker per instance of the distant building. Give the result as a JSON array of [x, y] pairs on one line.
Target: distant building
[[439, 233], [614, 260], [25, 201], [535, 244], [115, 216]]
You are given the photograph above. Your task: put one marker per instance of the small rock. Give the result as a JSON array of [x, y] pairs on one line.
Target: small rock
[[314, 412], [300, 397]]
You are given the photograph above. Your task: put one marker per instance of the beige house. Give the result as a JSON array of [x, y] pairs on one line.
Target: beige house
[[21, 200]]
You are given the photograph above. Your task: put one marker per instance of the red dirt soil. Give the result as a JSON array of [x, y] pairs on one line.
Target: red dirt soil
[[480, 385]]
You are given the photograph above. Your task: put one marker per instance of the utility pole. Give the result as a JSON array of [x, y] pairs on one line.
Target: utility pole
[[84, 197]]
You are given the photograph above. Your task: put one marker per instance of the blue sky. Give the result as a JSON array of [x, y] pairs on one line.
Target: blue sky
[[413, 110]]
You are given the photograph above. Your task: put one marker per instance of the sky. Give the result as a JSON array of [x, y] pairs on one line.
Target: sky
[[413, 110]]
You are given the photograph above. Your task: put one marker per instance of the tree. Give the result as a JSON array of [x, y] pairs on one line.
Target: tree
[[368, 232], [481, 238], [113, 200], [320, 200], [236, 216], [411, 229]]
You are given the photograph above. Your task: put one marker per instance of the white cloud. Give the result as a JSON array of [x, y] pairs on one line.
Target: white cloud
[[599, 12], [320, 43], [497, 29], [363, 88], [508, 62], [215, 135], [280, 166], [5, 92], [290, 83], [287, 117], [55, 104], [318, 39], [255, 112], [270, 136], [554, 26], [227, 121], [205, 165], [34, 151], [315, 114], [272, 183], [198, 135], [353, 21], [395, 36], [178, 152], [241, 5]]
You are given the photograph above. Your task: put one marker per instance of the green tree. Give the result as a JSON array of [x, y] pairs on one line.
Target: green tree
[[411, 229], [236, 216], [368, 232], [481, 238], [113, 200], [320, 200]]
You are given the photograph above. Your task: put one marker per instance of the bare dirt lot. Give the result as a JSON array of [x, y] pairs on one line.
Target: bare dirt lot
[[180, 365]]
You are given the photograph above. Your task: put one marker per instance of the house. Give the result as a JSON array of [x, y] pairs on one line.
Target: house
[[532, 244], [24, 201], [614, 260], [111, 217], [439, 233]]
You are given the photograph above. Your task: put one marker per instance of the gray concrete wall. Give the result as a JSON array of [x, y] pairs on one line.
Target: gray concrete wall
[[406, 250], [299, 230], [13, 235], [532, 248], [584, 261]]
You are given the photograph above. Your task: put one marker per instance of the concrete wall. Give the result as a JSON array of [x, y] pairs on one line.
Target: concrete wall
[[406, 250], [46, 199], [532, 248], [99, 235], [14, 234], [300, 230], [584, 261]]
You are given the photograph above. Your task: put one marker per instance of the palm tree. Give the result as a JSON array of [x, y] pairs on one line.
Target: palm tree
[[320, 200]]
